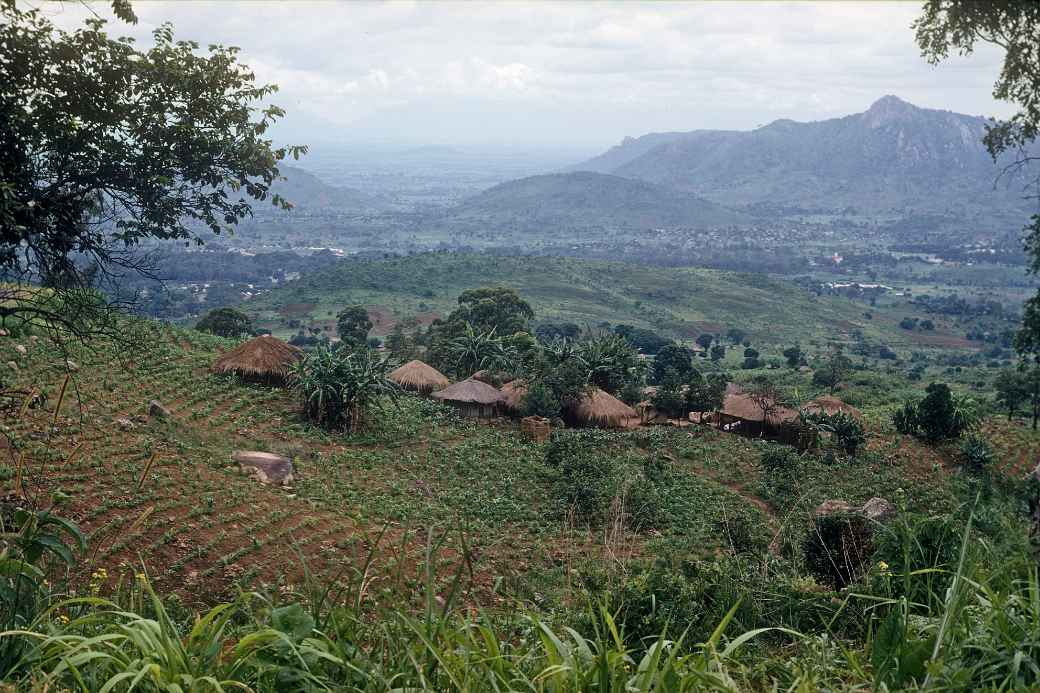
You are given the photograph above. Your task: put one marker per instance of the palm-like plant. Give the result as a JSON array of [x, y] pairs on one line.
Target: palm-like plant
[[340, 386], [474, 351], [610, 361]]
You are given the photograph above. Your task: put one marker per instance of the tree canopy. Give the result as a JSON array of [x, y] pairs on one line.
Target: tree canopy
[[103, 145]]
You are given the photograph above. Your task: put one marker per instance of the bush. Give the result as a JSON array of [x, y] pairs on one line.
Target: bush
[[540, 400], [779, 466], [837, 548], [978, 454], [848, 432], [940, 416], [905, 418], [340, 386]]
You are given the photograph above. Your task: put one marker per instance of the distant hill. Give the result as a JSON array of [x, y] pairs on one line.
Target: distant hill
[[677, 302], [307, 191], [894, 157], [586, 200]]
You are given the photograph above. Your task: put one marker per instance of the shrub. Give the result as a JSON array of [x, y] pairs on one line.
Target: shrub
[[340, 386], [977, 453], [847, 431], [837, 548], [942, 417], [905, 418], [541, 401], [779, 465]]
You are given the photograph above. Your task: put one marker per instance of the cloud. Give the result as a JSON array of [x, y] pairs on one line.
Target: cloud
[[578, 73]]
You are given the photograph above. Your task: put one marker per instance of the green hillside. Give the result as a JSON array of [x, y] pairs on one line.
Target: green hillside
[[678, 302]]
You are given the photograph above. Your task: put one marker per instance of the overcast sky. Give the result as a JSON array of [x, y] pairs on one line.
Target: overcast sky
[[584, 75]]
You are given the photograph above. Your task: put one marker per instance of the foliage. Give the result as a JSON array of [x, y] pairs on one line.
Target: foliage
[[938, 416], [837, 547], [473, 351], [226, 322], [611, 362], [178, 146], [499, 308], [669, 398], [646, 341], [830, 372], [540, 400], [353, 325], [794, 356], [676, 359], [1012, 388], [707, 393], [978, 454], [339, 387], [31, 544], [846, 432], [780, 466]]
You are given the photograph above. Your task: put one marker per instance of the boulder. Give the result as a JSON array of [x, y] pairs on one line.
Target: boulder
[[266, 467], [156, 409], [20, 348], [878, 509], [12, 365], [875, 509]]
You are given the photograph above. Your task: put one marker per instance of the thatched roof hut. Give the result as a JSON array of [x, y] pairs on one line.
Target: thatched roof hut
[[598, 408], [419, 377], [472, 398], [514, 393], [830, 405], [266, 359]]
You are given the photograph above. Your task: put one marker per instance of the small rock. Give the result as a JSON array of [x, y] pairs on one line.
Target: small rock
[[4, 333], [125, 424], [878, 509], [12, 365], [72, 366], [34, 339], [141, 419], [266, 467], [20, 348], [156, 409]]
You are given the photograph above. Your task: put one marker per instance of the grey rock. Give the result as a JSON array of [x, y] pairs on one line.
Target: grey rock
[[20, 348], [266, 467], [878, 509], [125, 424], [156, 409]]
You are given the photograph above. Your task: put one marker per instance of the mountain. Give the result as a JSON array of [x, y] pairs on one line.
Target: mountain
[[587, 200], [308, 192], [894, 157]]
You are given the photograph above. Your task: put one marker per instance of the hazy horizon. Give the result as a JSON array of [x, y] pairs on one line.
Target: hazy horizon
[[532, 76]]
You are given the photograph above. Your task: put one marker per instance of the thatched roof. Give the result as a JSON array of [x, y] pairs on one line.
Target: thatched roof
[[470, 392], [740, 405], [514, 393], [830, 405], [598, 408], [420, 377], [264, 357]]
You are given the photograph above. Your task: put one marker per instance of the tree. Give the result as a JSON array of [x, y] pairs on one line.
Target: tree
[[103, 145], [646, 341], [676, 358], [958, 25], [718, 352], [793, 355], [226, 322], [736, 335], [548, 331], [832, 371], [352, 326], [705, 340], [498, 308], [1012, 387], [767, 396], [707, 394], [940, 416]]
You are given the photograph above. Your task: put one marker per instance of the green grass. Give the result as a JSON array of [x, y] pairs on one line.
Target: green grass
[[678, 302]]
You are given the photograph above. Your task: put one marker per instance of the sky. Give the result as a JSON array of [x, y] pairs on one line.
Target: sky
[[528, 75]]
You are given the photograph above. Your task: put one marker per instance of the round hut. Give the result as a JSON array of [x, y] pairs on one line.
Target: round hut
[[472, 398], [598, 408], [419, 377], [265, 359], [830, 405]]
